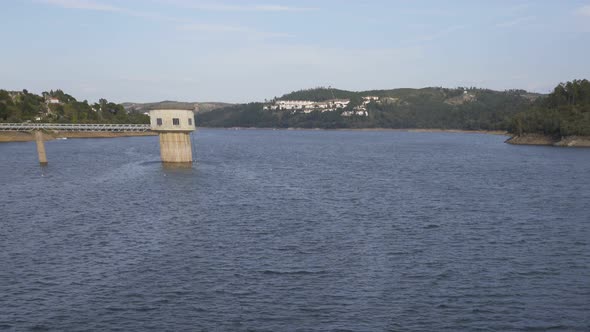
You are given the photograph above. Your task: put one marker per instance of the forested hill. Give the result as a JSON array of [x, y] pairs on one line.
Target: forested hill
[[565, 112], [58, 106], [320, 94], [197, 107], [434, 93], [460, 108]]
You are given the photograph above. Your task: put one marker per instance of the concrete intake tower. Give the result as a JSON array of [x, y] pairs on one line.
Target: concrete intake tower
[[174, 128]]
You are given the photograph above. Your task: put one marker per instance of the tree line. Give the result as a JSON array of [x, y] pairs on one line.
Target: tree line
[[460, 108], [59, 107], [564, 112]]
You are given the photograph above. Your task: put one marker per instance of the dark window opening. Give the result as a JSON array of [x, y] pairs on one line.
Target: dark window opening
[[176, 122], [159, 121], [190, 122]]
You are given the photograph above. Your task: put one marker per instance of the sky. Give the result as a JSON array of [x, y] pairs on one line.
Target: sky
[[242, 51]]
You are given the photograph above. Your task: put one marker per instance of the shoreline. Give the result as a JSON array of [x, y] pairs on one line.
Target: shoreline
[[20, 136], [544, 140], [527, 139], [411, 130]]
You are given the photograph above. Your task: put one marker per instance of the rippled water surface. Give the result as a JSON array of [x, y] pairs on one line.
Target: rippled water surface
[[296, 230]]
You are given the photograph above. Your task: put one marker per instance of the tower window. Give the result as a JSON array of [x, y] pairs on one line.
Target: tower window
[[159, 121], [190, 121], [176, 121]]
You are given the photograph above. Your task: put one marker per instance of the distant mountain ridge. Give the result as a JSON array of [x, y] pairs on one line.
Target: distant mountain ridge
[[322, 93], [197, 107]]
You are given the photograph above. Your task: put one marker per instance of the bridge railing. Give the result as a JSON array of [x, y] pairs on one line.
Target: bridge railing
[[74, 127]]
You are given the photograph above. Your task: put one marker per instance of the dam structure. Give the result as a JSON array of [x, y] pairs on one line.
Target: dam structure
[[174, 127]]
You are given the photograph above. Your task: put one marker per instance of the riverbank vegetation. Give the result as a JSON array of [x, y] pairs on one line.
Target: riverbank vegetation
[[564, 112], [60, 107]]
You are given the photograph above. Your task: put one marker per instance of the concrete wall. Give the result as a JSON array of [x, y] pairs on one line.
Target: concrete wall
[[175, 147], [40, 147], [167, 117]]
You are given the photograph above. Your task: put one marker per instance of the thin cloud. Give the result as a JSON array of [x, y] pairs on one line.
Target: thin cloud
[[518, 8], [152, 16], [230, 29], [440, 33], [186, 25], [97, 6], [82, 4], [198, 5], [279, 8], [517, 21], [213, 28], [583, 11]]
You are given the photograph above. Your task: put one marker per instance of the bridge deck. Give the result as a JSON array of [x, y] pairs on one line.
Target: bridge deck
[[74, 127]]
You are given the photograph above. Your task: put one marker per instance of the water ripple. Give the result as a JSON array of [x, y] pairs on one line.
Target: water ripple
[[296, 231]]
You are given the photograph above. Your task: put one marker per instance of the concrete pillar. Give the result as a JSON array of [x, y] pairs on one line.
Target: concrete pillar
[[40, 147], [175, 147]]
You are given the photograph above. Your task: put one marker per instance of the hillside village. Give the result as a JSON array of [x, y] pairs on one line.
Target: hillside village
[[332, 105]]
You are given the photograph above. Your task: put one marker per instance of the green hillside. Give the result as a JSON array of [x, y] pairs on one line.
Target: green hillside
[[320, 94], [565, 112], [198, 107], [58, 106], [435, 107]]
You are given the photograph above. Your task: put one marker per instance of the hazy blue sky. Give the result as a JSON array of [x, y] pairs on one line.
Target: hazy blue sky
[[192, 50]]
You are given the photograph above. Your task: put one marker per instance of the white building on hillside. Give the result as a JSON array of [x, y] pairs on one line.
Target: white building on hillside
[[357, 112], [294, 104], [368, 99], [307, 105], [339, 103]]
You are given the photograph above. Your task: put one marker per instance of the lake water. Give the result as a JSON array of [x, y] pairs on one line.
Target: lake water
[[296, 230]]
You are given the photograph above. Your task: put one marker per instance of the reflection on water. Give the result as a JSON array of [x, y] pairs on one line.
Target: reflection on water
[[177, 166]]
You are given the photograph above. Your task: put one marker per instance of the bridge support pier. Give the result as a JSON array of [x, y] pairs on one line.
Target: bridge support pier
[[40, 147]]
